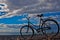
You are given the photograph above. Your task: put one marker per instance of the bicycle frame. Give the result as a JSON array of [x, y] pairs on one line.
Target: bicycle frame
[[40, 22]]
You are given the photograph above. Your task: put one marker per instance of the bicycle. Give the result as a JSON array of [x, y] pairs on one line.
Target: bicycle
[[45, 27]]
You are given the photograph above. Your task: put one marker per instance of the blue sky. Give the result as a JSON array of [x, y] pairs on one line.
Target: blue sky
[[18, 19]]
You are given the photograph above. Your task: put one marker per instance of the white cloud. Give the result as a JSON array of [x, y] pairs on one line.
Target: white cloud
[[10, 27], [24, 18], [9, 30], [31, 15], [3, 25], [11, 14]]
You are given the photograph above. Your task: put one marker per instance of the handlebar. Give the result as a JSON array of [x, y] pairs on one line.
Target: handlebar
[[41, 15]]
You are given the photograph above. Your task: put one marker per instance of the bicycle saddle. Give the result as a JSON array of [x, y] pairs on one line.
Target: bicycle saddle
[[40, 15]]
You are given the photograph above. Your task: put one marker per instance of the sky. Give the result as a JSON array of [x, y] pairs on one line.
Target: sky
[[18, 10]]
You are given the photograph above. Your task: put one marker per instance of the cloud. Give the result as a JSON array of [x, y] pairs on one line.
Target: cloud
[[11, 14], [20, 3], [3, 25], [9, 30], [43, 6], [31, 6], [3, 1], [10, 27], [24, 19]]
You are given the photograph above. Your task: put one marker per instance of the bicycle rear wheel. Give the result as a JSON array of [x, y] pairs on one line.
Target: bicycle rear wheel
[[50, 27], [26, 32]]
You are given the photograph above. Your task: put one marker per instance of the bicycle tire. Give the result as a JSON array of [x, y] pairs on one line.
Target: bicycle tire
[[49, 25], [25, 35]]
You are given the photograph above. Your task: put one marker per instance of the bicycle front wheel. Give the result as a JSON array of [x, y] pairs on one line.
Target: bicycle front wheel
[[26, 32], [50, 27]]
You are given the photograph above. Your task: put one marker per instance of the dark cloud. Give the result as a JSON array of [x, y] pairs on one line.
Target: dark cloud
[[44, 6], [20, 3]]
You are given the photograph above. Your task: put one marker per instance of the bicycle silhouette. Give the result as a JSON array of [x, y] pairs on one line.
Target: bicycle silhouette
[[46, 26]]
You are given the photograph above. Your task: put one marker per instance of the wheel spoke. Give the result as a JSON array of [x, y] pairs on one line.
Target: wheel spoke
[[50, 28], [26, 32]]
